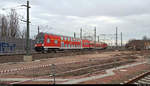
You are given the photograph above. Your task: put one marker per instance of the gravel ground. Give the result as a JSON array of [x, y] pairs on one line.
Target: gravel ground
[[121, 75], [70, 62]]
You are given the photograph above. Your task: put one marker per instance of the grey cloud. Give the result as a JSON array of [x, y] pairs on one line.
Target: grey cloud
[[67, 16], [95, 7]]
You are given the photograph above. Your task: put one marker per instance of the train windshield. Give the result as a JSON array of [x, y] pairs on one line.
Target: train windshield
[[40, 40]]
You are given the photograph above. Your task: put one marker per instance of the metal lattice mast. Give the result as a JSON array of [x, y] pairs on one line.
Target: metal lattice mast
[[116, 37], [28, 34]]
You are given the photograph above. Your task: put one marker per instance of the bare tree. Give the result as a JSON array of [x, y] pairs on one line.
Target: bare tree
[[13, 24], [145, 38], [23, 33], [4, 26]]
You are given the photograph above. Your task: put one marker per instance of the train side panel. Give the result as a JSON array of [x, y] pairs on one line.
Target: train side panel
[[51, 42], [85, 44]]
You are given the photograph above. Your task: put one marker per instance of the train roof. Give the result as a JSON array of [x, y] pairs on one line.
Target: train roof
[[42, 34]]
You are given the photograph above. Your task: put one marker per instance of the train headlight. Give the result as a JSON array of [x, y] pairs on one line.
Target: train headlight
[[42, 44]]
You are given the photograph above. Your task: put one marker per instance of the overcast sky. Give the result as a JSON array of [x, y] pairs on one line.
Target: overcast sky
[[132, 17]]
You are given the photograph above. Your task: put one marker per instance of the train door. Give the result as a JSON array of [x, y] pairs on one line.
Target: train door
[[62, 44]]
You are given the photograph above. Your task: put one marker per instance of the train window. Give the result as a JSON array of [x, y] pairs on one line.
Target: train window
[[61, 38], [69, 45], [62, 44], [65, 38], [55, 41], [65, 45], [48, 40], [40, 40], [68, 39]]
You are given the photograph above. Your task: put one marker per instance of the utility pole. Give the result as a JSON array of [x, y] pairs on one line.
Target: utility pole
[[38, 29], [81, 33], [121, 39], [116, 37], [27, 57], [28, 35], [98, 38], [95, 36], [74, 35]]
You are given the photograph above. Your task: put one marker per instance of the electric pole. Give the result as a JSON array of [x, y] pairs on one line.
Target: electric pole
[[28, 34], [81, 33], [116, 37], [74, 35], [98, 38], [38, 29], [27, 57], [95, 36], [121, 39]]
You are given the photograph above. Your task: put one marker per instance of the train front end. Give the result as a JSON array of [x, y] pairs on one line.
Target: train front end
[[39, 42]]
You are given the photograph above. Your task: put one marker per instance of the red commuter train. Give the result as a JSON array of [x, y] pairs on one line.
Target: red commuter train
[[50, 42]]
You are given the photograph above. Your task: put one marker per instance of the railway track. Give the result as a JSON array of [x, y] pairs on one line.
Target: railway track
[[81, 71], [143, 78], [13, 54], [37, 56]]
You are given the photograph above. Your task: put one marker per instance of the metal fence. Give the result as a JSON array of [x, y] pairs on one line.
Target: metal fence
[[14, 45]]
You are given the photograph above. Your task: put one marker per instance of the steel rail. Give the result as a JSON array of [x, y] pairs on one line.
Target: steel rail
[[134, 79]]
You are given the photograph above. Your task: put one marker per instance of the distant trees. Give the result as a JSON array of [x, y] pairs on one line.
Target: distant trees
[[23, 34], [9, 25], [13, 24], [4, 26], [145, 38]]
